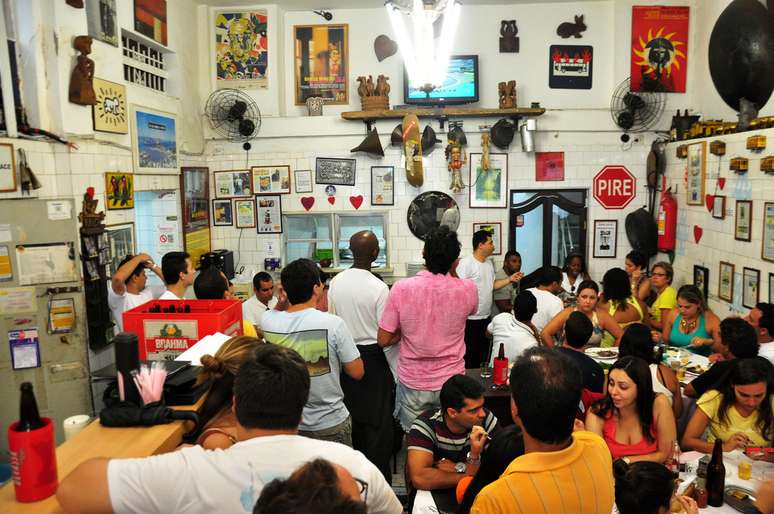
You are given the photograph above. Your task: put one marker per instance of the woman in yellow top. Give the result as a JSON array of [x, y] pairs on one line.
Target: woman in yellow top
[[666, 299], [619, 302], [741, 413]]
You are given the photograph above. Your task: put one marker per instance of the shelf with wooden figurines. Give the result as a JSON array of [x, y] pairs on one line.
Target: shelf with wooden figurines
[[374, 96]]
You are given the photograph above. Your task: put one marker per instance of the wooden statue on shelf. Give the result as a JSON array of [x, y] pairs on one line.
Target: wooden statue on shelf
[[89, 217], [374, 96], [507, 93], [81, 81]]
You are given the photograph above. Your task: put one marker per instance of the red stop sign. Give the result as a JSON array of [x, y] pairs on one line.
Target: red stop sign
[[614, 187]]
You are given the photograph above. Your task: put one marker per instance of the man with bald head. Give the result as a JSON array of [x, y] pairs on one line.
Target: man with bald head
[[358, 297]]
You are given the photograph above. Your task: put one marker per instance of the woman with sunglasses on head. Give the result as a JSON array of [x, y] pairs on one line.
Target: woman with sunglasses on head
[[636, 423], [691, 324], [574, 272], [740, 412], [636, 264], [666, 296], [587, 303]]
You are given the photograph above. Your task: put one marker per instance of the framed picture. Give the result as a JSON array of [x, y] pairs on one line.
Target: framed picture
[[488, 188], [726, 282], [110, 112], [697, 168], [7, 167], [767, 245], [743, 220], [119, 190], [549, 166], [771, 287], [495, 229], [154, 141], [241, 48], [269, 214], [382, 185], [605, 239], [245, 213], [271, 180], [120, 244], [701, 279], [340, 172], [321, 63], [719, 207], [150, 19], [222, 215], [195, 186], [303, 181], [751, 284], [229, 184], [101, 20]]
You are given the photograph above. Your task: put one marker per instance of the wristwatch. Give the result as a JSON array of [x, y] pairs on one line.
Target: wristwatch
[[471, 460], [627, 460], [460, 467]]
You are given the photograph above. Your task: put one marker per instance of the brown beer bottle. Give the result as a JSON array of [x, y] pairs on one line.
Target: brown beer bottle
[[716, 476], [29, 417]]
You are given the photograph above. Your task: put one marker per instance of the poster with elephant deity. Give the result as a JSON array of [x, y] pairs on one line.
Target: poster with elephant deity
[[241, 49]]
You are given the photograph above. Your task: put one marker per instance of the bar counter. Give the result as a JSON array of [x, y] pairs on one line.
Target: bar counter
[[97, 441]]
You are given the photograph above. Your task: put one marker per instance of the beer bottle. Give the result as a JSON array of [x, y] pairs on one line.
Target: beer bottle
[[501, 351], [716, 476], [29, 417], [500, 374]]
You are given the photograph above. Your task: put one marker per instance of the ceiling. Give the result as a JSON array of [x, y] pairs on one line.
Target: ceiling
[[308, 5]]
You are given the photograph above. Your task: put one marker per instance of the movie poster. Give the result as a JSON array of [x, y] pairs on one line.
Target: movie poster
[[659, 59], [321, 55], [241, 49]]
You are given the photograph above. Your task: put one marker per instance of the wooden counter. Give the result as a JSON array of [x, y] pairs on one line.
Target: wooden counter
[[98, 441]]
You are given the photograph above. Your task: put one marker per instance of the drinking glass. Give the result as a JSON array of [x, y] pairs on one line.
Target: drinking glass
[[486, 370]]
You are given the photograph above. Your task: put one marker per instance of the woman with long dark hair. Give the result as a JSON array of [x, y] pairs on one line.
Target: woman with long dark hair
[[647, 488], [587, 303], [691, 324], [636, 264], [636, 423], [740, 413], [619, 302]]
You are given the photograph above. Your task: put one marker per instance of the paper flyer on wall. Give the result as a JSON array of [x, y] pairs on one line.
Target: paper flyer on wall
[[46, 263]]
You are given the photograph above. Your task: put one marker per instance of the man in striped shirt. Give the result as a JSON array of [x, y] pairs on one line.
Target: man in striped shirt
[[445, 444]]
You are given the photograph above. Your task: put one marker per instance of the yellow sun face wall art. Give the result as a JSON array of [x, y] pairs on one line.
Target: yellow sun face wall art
[[659, 48]]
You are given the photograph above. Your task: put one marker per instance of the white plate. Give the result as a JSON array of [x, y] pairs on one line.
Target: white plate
[[594, 353]]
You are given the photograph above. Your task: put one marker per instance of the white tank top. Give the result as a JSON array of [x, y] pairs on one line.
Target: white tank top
[[658, 387]]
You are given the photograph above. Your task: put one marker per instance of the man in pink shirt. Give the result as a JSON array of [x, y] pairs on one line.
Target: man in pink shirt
[[427, 315]]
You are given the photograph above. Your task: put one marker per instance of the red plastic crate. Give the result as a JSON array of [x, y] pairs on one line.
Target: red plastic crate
[[165, 335]]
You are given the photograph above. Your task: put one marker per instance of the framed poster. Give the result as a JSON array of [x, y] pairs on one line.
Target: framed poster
[[340, 172], [767, 244], [150, 19], [570, 66], [303, 181], [321, 63], [109, 113], [271, 180], [101, 20], [154, 141], [120, 244], [659, 48], [495, 229], [229, 184], [241, 49], [119, 190], [7, 167], [701, 279], [222, 214], [488, 188], [696, 170], [269, 214], [245, 213], [549, 166], [751, 284], [743, 220], [382, 185], [726, 281], [195, 185], [605, 239], [719, 207], [771, 287]]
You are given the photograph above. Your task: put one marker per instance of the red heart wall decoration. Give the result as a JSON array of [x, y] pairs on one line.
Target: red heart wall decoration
[[697, 233], [710, 201], [331, 200], [356, 201], [307, 202], [721, 182]]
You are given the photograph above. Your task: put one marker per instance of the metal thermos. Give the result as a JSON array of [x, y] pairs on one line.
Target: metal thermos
[[127, 360]]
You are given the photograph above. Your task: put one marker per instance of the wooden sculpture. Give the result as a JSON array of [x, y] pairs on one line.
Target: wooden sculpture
[[374, 96], [81, 81], [507, 94]]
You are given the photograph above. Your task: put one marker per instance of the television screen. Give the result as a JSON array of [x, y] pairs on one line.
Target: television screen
[[460, 86]]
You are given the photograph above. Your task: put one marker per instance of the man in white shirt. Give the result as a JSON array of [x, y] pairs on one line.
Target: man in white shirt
[[514, 329], [178, 274], [270, 391], [263, 299], [548, 304], [478, 268], [358, 297], [127, 286], [761, 317]]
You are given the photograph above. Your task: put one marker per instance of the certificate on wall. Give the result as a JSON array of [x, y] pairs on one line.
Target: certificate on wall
[[46, 263]]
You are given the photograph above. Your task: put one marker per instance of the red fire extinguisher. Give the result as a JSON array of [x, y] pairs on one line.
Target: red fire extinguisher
[[667, 222]]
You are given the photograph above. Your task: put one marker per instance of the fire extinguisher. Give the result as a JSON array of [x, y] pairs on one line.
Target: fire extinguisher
[[667, 222]]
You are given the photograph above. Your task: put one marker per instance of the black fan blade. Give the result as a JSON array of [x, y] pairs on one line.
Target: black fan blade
[[246, 127], [625, 120], [237, 111]]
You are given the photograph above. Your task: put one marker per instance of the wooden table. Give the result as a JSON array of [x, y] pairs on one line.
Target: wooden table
[[98, 441]]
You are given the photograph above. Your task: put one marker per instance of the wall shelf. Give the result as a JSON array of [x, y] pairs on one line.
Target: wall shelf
[[442, 114]]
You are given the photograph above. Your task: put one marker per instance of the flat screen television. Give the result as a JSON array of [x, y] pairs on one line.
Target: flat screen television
[[460, 86]]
